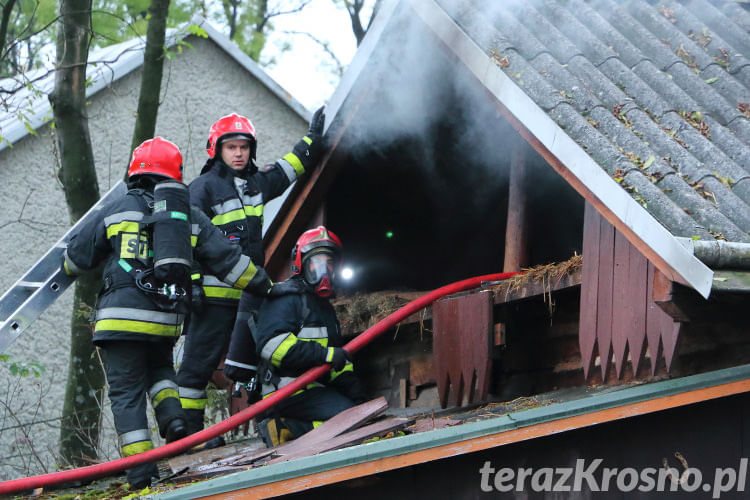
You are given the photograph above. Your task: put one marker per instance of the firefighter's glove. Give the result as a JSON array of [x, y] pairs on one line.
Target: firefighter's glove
[[286, 287], [316, 125], [337, 357], [308, 151], [196, 298]]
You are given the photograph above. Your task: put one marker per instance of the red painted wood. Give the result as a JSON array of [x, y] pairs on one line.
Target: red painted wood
[[589, 288], [670, 333], [621, 302], [605, 294], [638, 286], [461, 343], [515, 230], [653, 321]]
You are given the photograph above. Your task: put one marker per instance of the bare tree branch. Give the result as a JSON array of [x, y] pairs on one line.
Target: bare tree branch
[[325, 46]]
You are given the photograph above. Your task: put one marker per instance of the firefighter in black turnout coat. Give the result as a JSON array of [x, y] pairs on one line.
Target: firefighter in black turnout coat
[[232, 191], [297, 332], [147, 240]]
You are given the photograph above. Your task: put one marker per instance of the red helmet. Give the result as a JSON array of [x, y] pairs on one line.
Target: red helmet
[[157, 156], [230, 125], [311, 257]]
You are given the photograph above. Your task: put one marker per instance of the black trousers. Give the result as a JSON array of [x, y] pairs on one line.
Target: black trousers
[[298, 413], [205, 342], [241, 354], [134, 371]]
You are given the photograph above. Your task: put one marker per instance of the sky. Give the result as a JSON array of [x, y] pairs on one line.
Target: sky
[[305, 70]]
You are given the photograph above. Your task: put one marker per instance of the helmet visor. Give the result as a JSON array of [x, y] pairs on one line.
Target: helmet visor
[[318, 266]]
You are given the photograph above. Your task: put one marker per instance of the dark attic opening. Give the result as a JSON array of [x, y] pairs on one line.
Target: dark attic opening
[[422, 198]]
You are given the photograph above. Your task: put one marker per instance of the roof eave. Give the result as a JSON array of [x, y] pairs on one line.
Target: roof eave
[[380, 456]]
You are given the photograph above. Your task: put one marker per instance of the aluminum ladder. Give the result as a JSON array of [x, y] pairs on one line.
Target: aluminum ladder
[[31, 295]]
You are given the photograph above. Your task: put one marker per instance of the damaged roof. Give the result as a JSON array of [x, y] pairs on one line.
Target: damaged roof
[[657, 93]]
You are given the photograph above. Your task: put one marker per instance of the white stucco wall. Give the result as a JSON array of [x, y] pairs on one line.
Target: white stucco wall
[[200, 85]]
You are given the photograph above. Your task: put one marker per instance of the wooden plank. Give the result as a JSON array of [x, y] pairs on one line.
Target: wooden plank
[[621, 308], [347, 439], [589, 288], [604, 296], [515, 228], [670, 333], [205, 457], [638, 302], [462, 330], [342, 422], [653, 321], [431, 424]]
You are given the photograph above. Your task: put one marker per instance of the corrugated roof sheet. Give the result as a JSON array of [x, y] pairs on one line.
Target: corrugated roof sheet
[[656, 93]]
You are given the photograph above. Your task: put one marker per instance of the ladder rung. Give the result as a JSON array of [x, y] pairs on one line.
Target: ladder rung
[[30, 284]]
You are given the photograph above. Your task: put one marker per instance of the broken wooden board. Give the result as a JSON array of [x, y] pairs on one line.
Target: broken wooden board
[[346, 420], [205, 457], [430, 424], [347, 439]]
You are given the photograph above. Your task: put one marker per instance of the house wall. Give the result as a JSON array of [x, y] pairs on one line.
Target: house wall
[[200, 85]]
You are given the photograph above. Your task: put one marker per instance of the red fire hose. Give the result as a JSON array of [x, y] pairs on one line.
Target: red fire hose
[[171, 449]]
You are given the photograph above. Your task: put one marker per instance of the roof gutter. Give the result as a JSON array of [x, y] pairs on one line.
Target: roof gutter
[[719, 254]]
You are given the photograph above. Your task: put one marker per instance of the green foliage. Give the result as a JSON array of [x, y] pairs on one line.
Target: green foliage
[[22, 368], [29, 30]]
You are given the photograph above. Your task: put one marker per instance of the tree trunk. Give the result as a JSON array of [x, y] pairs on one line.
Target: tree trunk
[[153, 66], [79, 433], [4, 20]]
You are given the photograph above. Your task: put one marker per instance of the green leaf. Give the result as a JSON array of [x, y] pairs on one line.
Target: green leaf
[[649, 161], [711, 80], [197, 31]]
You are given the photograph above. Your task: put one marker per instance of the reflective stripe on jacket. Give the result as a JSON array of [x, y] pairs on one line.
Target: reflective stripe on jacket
[[114, 237], [235, 205]]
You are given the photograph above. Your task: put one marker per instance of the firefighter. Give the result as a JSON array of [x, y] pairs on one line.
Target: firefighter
[[147, 240], [296, 332], [232, 191]]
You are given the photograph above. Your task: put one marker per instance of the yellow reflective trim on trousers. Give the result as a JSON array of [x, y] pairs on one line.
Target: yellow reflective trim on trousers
[[295, 162], [246, 276], [220, 292], [228, 217], [193, 241], [254, 210], [135, 448], [283, 348], [126, 325], [195, 276], [193, 404], [162, 395], [348, 368], [122, 227]]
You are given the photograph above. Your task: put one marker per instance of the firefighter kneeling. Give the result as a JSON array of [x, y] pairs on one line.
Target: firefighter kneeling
[[297, 332]]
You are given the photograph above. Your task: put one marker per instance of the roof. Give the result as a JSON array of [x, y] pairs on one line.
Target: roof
[[29, 109], [656, 95], [653, 92], [566, 412]]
